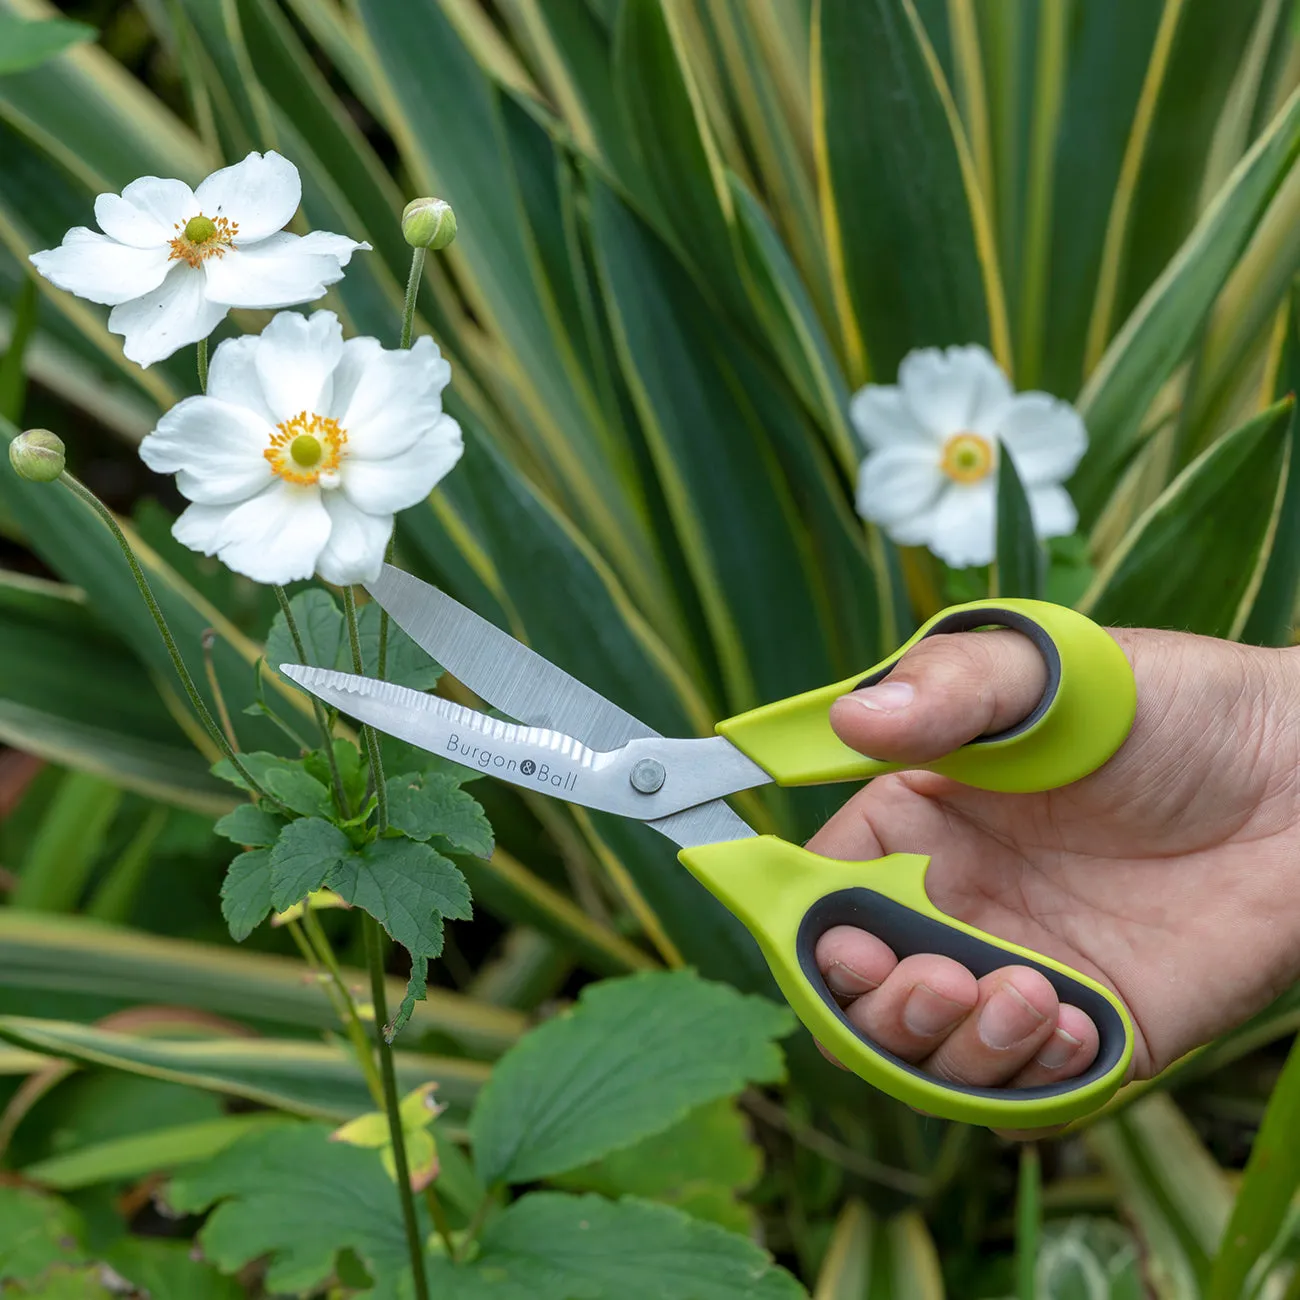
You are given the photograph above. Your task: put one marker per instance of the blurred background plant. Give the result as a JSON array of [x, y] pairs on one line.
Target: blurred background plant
[[689, 229]]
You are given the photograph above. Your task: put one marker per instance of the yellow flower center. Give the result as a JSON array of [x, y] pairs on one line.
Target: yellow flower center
[[203, 237], [307, 449], [967, 457]]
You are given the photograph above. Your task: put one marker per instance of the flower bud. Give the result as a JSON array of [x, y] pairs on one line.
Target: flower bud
[[428, 223], [37, 455]]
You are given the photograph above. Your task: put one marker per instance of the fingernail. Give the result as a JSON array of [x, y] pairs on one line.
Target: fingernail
[[845, 981], [887, 697], [1007, 1018], [1057, 1050], [926, 1013]]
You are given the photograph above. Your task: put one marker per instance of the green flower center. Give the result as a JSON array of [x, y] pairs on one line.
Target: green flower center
[[198, 230], [305, 450]]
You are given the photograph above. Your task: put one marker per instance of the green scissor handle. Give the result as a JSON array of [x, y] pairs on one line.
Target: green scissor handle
[[788, 897]]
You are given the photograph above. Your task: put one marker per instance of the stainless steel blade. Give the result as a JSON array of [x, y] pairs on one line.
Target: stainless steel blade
[[508, 675], [689, 772], [706, 823]]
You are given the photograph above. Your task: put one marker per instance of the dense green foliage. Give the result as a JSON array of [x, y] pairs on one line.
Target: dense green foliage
[[688, 230]]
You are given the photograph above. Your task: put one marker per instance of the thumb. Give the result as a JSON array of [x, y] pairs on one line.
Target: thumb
[[943, 692]]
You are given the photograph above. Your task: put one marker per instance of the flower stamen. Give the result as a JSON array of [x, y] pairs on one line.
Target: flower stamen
[[967, 458], [307, 449], [203, 237]]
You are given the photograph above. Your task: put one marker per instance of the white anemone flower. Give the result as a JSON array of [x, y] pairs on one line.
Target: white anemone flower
[[930, 475], [303, 449], [172, 261]]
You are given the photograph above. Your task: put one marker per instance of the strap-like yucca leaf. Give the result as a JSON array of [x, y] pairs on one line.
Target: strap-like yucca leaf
[[319, 1080], [872, 1258], [1194, 560], [919, 268], [1156, 336]]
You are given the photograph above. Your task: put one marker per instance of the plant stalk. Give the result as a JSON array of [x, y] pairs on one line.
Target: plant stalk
[[202, 358], [476, 1223], [371, 738], [412, 293], [318, 708], [392, 1106], [191, 690]]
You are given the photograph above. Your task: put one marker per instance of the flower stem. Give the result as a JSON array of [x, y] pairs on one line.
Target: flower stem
[[196, 700], [210, 671], [439, 1217], [375, 961], [318, 708], [412, 293], [371, 739], [476, 1223], [203, 365], [351, 1017]]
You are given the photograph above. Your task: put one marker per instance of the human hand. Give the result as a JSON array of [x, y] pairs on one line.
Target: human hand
[[1169, 874]]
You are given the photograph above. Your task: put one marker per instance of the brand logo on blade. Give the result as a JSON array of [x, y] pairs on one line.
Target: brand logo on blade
[[488, 760]]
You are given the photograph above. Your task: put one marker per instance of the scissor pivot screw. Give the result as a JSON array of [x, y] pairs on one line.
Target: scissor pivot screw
[[647, 775]]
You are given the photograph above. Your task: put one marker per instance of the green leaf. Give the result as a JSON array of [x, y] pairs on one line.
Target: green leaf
[[67, 844], [168, 1268], [73, 694], [699, 1165], [246, 893], [251, 826], [912, 271], [1272, 614], [549, 1246], [13, 377], [314, 1079], [143, 1153], [1169, 1188], [407, 887], [424, 806], [1192, 560], [306, 853], [1153, 340], [38, 1231], [417, 989], [287, 779], [324, 635], [292, 1194], [634, 1056], [873, 1258], [352, 770], [25, 45], [1020, 564], [89, 968], [1271, 1179]]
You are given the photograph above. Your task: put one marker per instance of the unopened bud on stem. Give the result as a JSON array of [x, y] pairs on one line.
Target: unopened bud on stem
[[428, 223], [38, 455]]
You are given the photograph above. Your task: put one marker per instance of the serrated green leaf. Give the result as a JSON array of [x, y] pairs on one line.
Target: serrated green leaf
[[1191, 561], [407, 887], [698, 1165], [422, 807], [246, 893], [38, 1231], [25, 45], [250, 826], [284, 778], [549, 1246], [324, 635], [303, 858], [1019, 567], [292, 1194], [417, 989], [352, 771], [634, 1056], [66, 1282]]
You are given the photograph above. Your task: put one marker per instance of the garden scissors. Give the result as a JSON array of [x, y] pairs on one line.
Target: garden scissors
[[573, 743]]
